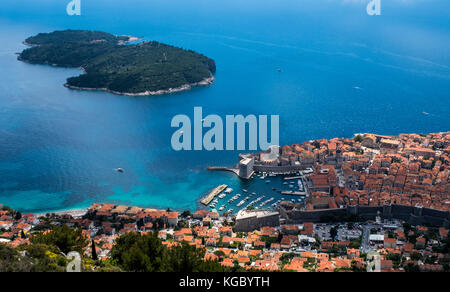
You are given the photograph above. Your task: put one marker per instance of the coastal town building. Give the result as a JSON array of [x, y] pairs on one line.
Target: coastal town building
[[249, 220], [246, 167]]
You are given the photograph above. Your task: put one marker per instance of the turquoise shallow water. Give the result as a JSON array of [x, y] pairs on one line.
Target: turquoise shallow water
[[58, 147]]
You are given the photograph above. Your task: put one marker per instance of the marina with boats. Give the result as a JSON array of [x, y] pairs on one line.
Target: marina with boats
[[261, 191], [208, 198]]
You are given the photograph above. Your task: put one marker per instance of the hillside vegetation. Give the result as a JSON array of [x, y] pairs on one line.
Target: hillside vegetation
[[111, 64]]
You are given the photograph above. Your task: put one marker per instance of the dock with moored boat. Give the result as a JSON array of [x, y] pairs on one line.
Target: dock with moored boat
[[293, 177], [293, 193], [216, 191]]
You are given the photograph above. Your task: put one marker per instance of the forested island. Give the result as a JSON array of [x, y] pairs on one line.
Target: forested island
[[112, 63]]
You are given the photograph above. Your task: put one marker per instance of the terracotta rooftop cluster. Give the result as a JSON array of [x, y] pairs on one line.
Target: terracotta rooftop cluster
[[408, 169], [14, 227], [267, 248]]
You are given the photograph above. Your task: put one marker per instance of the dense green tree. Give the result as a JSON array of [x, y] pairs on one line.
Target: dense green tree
[[333, 232], [185, 258], [358, 138], [411, 268], [63, 237], [93, 251], [219, 253], [416, 256], [358, 267], [446, 267], [146, 253], [395, 258], [355, 243], [186, 213], [287, 257], [134, 252], [210, 267], [269, 240], [406, 227]]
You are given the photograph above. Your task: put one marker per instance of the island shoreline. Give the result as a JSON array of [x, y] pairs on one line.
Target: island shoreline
[[205, 82]]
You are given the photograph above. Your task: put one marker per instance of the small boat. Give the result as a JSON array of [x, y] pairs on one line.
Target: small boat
[[119, 169], [279, 69]]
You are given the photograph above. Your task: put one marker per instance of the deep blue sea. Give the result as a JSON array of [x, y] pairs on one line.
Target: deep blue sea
[[59, 148]]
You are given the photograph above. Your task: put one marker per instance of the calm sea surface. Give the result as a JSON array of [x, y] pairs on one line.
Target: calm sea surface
[[59, 148]]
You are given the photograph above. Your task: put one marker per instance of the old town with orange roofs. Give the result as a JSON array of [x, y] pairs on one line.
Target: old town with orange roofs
[[370, 203]]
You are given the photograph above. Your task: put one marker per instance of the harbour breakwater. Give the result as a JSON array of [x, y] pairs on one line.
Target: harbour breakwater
[[278, 169], [416, 215], [241, 171], [224, 168]]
